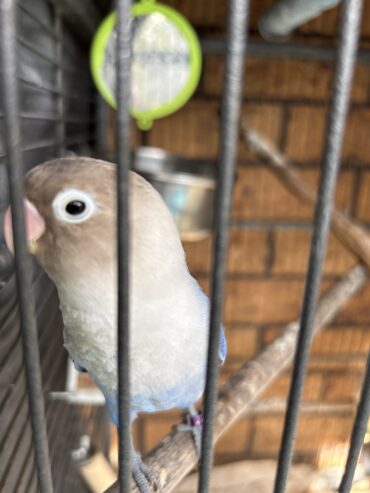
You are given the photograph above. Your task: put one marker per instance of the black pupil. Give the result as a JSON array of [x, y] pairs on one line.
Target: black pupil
[[75, 207]]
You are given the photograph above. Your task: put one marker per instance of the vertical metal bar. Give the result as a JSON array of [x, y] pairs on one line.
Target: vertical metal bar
[[123, 164], [102, 129], [346, 57], [60, 128], [358, 433], [22, 261], [233, 80]]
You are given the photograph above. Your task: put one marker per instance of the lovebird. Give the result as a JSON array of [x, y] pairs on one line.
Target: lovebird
[[70, 208]]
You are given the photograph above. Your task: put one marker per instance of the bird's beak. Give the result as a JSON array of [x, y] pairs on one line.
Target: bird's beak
[[35, 227]]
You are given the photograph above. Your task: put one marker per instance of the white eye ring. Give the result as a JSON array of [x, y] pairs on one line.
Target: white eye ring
[[64, 198]]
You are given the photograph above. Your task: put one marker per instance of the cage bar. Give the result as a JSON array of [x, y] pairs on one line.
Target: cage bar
[[233, 78], [123, 163], [8, 46], [60, 129], [346, 57], [358, 433]]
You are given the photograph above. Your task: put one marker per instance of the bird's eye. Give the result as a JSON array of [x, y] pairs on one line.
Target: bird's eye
[[73, 206]]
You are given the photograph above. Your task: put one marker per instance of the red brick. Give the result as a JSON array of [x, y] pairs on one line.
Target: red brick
[[247, 253], [190, 132], [312, 431], [285, 80], [267, 435], [280, 387], [242, 343], [157, 426], [193, 131], [337, 364], [342, 341], [209, 13], [259, 194], [198, 255], [292, 247], [363, 206], [365, 24], [213, 13], [263, 301], [280, 79], [356, 144], [361, 82], [342, 387], [236, 439], [327, 23], [332, 341], [306, 132]]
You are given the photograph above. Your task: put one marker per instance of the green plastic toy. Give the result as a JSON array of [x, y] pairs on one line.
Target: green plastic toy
[[166, 61]]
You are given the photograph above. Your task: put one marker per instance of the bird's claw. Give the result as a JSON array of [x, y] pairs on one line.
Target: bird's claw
[[194, 424], [144, 477]]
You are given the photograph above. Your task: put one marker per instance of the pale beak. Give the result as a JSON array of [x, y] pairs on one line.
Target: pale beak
[[35, 227]]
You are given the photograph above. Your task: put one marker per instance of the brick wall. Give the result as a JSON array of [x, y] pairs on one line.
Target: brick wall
[[287, 101]]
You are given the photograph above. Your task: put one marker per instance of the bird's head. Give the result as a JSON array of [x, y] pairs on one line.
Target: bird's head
[[70, 209], [70, 214]]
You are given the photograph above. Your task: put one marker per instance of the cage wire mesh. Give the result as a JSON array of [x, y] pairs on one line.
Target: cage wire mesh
[[47, 110]]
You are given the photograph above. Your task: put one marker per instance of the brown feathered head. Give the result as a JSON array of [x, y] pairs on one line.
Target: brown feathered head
[[68, 203], [70, 212]]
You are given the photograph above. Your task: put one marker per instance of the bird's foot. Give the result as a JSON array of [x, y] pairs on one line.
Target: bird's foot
[[145, 479], [194, 424]]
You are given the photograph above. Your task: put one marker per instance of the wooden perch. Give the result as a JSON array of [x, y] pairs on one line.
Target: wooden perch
[[347, 231], [175, 456]]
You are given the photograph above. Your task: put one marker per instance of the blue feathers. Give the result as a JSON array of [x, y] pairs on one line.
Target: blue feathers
[[222, 348], [182, 396]]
